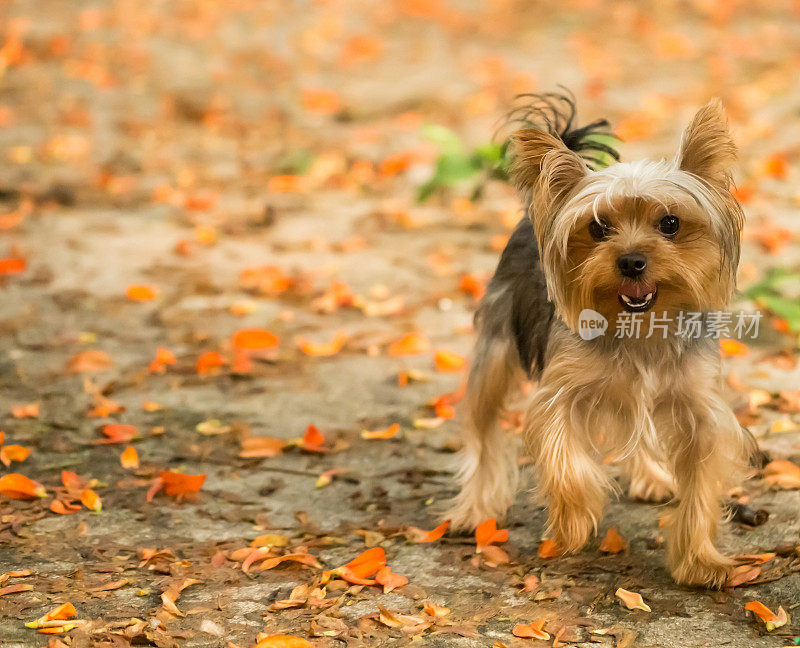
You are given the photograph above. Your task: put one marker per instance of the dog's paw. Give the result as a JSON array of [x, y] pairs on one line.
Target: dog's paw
[[465, 515], [650, 482], [572, 530], [709, 571], [648, 489]]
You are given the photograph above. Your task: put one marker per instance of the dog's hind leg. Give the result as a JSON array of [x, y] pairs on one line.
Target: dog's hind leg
[[487, 469], [513, 324]]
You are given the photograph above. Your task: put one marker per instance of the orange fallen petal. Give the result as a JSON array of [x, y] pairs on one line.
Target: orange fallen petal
[[242, 361], [471, 285], [409, 344], [30, 410], [444, 410], [756, 559], [323, 349], [776, 166], [448, 362], [345, 573], [72, 481], [760, 610], [11, 266], [129, 458], [494, 555], [326, 477], [530, 583], [89, 361], [783, 474], [269, 279], [210, 361], [14, 589], [632, 600], [487, 533], [164, 358], [104, 407], [255, 339], [63, 508], [257, 447], [531, 630], [364, 565], [176, 484], [141, 292], [388, 433], [389, 580], [742, 574], [321, 101], [155, 488], [612, 542], [302, 558], [733, 348], [418, 535], [91, 500], [548, 549], [118, 433], [770, 619], [256, 554], [285, 184], [11, 453], [283, 641], [61, 613], [434, 609], [18, 486], [429, 423], [312, 438]]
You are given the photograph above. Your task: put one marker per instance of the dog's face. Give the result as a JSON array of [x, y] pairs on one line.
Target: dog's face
[[638, 236]]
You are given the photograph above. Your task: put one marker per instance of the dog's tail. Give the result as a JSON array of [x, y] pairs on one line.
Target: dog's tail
[[555, 113]]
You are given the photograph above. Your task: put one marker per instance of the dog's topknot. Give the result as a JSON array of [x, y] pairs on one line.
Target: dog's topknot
[[555, 113]]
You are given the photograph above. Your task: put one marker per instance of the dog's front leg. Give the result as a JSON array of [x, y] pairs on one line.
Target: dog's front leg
[[570, 479], [709, 452], [692, 525]]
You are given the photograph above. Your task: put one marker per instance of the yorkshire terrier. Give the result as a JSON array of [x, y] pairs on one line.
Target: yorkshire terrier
[[621, 240]]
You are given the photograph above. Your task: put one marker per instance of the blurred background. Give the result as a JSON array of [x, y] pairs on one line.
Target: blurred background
[[225, 115], [173, 172]]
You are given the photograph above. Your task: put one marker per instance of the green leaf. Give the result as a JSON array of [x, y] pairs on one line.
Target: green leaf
[[448, 141], [491, 153], [783, 307], [451, 169]]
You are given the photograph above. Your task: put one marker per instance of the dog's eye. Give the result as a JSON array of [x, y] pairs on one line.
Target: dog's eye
[[669, 225], [598, 231]]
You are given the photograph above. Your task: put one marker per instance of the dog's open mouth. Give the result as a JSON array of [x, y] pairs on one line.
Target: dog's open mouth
[[637, 297]]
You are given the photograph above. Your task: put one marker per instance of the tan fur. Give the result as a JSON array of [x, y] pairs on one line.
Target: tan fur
[[707, 149], [649, 479], [656, 403], [487, 466]]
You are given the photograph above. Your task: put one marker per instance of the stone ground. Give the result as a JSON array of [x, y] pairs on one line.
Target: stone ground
[[141, 141]]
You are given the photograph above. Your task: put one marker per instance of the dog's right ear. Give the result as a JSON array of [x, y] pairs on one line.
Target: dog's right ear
[[544, 169]]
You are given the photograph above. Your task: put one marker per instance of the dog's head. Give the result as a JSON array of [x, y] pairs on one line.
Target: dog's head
[[635, 235]]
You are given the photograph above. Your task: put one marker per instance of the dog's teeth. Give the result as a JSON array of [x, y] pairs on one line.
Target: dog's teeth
[[648, 296], [627, 299]]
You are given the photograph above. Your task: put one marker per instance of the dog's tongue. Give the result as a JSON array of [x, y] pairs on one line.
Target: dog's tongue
[[635, 289]]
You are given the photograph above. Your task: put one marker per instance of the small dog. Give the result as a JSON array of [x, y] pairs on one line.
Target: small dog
[[620, 241]]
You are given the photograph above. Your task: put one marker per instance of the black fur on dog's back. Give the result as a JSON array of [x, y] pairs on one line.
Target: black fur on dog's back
[[516, 302]]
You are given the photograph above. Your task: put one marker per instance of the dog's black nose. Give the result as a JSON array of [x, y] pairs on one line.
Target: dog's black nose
[[632, 265]]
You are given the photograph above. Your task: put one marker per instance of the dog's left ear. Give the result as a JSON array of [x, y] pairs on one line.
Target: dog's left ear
[[707, 149]]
